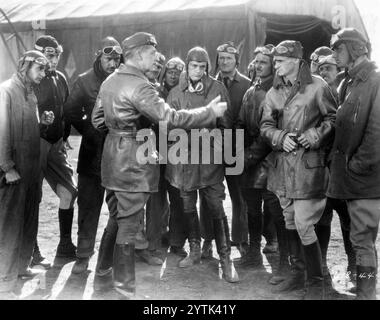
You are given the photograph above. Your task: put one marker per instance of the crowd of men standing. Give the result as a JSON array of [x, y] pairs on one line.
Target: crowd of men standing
[[310, 136]]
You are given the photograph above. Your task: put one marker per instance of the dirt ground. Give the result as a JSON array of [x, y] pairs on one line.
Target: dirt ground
[[167, 282]]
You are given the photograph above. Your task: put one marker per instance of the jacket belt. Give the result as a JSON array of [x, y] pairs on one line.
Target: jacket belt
[[130, 132]]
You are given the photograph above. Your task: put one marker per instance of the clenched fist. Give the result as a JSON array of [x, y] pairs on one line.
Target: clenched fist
[[47, 118], [218, 107]]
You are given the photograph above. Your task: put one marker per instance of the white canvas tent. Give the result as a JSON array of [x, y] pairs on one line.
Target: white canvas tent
[[178, 25]]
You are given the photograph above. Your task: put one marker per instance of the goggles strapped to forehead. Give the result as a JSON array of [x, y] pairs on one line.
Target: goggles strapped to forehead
[[282, 49], [39, 60], [263, 50], [227, 48], [316, 58], [50, 50], [112, 49], [174, 65]]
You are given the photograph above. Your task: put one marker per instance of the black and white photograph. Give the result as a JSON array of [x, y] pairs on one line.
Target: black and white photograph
[[211, 152]]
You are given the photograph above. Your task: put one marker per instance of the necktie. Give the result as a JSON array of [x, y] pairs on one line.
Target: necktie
[[227, 82]]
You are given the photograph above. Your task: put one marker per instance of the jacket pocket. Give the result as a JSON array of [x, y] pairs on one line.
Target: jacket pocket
[[314, 160]]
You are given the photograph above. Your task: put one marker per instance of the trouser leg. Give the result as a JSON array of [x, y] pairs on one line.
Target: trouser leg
[[130, 207], [365, 216], [30, 227], [157, 212], [239, 226], [178, 232], [207, 231], [340, 206], [12, 205], [90, 201]]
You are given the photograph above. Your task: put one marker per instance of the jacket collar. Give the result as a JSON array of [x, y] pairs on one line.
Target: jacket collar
[[304, 78], [362, 71], [131, 70], [20, 81], [266, 84]]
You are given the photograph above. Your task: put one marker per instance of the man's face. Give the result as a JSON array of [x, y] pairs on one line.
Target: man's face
[[148, 57], [53, 59], [226, 62], [196, 70], [284, 66], [36, 73], [328, 72], [341, 55], [262, 65], [172, 77], [109, 63]]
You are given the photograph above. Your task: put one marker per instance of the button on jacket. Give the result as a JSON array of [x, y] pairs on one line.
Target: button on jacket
[[307, 107]]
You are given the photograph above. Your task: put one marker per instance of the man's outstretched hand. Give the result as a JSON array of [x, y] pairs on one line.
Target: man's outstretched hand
[[218, 107]]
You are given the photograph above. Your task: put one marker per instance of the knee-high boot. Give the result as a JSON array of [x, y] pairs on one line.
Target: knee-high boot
[[229, 273], [315, 283], [283, 269], [124, 269], [296, 278], [366, 283], [103, 270]]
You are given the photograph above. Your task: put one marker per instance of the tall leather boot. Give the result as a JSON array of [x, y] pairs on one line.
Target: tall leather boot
[[366, 283], [103, 270], [350, 252], [227, 232], [323, 233], [283, 269], [296, 278], [229, 273], [66, 248], [124, 269], [315, 284], [253, 258]]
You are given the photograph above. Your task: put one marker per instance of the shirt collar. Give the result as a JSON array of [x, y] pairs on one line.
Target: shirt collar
[[236, 77]]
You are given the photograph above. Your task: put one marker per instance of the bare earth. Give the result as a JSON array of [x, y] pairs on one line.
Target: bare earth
[[168, 282]]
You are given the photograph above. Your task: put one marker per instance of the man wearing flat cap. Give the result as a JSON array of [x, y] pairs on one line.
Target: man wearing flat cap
[[19, 169], [124, 97], [355, 157], [78, 109], [298, 119], [52, 93]]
